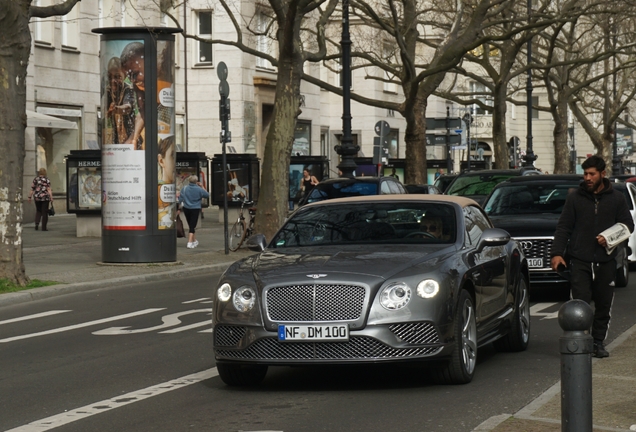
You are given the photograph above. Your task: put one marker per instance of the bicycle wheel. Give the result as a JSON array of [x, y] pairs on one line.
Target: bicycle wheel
[[237, 234]]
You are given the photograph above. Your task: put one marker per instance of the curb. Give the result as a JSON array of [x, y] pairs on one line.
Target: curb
[[61, 289]]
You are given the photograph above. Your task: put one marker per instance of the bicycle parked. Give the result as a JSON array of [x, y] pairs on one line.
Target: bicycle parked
[[241, 228]]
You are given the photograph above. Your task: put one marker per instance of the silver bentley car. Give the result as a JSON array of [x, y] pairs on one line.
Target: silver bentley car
[[373, 279]]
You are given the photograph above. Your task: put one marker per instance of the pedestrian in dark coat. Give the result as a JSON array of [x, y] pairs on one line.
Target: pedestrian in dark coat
[[588, 211], [41, 193]]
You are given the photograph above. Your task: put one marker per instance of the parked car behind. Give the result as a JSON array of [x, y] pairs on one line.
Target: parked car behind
[[422, 189], [443, 181], [529, 209], [372, 279], [478, 184], [351, 187]]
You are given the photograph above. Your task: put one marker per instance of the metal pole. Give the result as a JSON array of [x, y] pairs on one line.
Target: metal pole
[[616, 162], [529, 158], [575, 318], [346, 149], [468, 120], [449, 163]]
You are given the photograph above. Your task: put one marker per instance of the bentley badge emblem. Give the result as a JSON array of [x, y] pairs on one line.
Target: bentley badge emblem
[[316, 276]]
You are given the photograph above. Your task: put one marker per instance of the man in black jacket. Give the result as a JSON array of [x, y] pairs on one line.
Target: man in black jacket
[[591, 209]]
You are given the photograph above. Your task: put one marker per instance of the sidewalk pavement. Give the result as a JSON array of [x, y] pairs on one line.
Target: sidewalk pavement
[[59, 255]]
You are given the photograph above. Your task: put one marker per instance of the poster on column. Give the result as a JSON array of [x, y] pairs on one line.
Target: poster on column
[[166, 139], [123, 135]]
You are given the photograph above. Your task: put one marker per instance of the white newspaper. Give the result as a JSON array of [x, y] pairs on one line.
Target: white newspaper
[[614, 236]]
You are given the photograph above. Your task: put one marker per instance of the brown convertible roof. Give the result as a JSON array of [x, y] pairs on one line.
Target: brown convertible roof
[[462, 201]]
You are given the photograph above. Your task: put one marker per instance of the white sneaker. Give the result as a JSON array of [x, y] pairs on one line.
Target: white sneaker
[[195, 244], [190, 245]]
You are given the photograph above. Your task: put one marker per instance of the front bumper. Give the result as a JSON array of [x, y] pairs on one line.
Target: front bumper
[[390, 342]]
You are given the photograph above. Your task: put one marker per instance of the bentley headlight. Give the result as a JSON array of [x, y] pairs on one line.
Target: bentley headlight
[[224, 292], [244, 299], [427, 288], [395, 296]]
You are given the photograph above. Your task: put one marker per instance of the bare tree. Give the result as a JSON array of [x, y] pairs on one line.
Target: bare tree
[[15, 47]]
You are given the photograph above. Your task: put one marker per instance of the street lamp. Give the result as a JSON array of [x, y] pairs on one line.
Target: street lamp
[[529, 157], [468, 119], [616, 160], [346, 149]]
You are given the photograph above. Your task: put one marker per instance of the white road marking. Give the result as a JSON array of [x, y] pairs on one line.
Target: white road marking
[[168, 321], [189, 327], [196, 301], [28, 317], [114, 403], [536, 311], [76, 326]]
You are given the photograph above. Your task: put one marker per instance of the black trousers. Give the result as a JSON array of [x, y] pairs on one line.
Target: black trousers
[[592, 282], [192, 218], [42, 212]]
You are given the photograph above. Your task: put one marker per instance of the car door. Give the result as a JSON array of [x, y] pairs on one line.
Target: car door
[[491, 278], [631, 243]]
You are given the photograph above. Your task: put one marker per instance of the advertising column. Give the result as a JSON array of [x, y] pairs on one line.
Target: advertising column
[[138, 145]]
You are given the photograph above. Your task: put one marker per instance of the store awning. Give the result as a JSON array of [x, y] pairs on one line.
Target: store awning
[[35, 119]]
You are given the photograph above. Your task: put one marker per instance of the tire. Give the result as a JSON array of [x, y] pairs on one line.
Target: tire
[[236, 375], [237, 233], [460, 369], [519, 336], [622, 273]]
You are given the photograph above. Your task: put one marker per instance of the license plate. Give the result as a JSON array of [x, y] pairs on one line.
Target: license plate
[[535, 262], [313, 333]]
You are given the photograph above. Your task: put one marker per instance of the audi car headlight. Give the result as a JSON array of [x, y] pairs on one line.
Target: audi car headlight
[[395, 296], [427, 288], [244, 299], [224, 292]]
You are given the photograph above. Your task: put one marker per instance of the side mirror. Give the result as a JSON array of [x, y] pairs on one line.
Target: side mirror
[[257, 243], [493, 237]]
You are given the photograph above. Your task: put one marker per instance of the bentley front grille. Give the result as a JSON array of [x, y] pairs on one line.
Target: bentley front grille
[[228, 335], [313, 303], [416, 333], [357, 348], [536, 247]]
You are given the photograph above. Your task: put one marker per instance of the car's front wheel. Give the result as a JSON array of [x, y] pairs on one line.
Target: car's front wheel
[[460, 369], [238, 375], [519, 336]]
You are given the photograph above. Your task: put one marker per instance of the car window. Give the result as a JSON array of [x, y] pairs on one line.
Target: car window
[[377, 222], [385, 188], [394, 187], [323, 191], [530, 198], [476, 223], [479, 184]]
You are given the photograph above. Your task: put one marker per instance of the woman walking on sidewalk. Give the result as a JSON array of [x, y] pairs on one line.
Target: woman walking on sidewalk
[[41, 192], [190, 200]]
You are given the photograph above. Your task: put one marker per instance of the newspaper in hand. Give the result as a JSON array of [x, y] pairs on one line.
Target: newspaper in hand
[[614, 236]]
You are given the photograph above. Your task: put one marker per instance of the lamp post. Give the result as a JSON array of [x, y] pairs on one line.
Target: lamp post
[[616, 160], [529, 157], [468, 119], [346, 149]]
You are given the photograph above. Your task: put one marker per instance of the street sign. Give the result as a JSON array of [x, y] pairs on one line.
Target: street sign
[[440, 123], [382, 128], [432, 139]]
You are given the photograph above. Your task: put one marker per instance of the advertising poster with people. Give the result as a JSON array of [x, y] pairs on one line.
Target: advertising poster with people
[[166, 140], [123, 135]]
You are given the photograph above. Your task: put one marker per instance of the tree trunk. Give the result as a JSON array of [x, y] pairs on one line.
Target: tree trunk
[[560, 143], [415, 140], [274, 193], [15, 45], [500, 143]]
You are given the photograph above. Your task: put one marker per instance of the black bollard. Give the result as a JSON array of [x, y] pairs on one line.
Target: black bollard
[[575, 318]]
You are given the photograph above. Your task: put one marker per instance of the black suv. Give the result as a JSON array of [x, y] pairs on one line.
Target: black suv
[[478, 184], [529, 209], [350, 187]]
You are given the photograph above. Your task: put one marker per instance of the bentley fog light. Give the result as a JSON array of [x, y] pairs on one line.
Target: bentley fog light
[[395, 296], [244, 299], [224, 292], [427, 288]]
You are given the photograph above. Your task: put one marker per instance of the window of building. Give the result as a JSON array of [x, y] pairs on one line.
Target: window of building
[[481, 93], [71, 29], [535, 102], [394, 143], [203, 52], [302, 138], [44, 28], [325, 149], [263, 41]]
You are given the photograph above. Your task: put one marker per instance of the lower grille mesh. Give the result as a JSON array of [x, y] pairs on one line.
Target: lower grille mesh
[[416, 333], [228, 335], [356, 348]]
